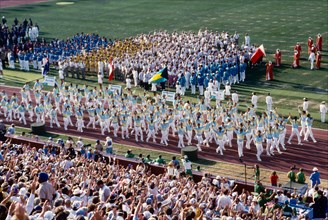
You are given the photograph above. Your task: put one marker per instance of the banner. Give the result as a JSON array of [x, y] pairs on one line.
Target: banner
[[49, 80], [115, 88], [217, 95], [169, 96]]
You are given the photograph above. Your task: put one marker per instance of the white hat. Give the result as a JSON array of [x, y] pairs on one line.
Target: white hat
[[77, 191], [49, 215], [22, 191], [323, 102], [108, 138], [315, 169]]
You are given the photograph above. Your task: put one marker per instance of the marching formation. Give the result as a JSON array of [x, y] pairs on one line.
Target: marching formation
[[151, 118]]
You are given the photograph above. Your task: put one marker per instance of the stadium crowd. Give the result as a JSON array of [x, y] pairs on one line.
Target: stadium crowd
[[39, 184]]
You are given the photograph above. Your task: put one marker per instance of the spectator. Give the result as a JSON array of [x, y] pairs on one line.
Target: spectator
[[129, 154], [291, 175], [301, 176], [315, 177], [159, 160], [274, 179]]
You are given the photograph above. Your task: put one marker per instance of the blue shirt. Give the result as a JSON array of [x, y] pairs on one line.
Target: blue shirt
[[315, 178]]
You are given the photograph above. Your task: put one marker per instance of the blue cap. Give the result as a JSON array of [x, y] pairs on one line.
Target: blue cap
[[43, 177]]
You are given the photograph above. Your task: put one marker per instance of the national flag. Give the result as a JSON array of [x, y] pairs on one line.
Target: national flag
[[45, 68], [159, 77], [111, 70], [258, 54]]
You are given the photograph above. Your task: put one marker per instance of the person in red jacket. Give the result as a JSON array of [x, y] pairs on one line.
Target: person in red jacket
[[310, 44], [274, 179], [269, 71], [296, 62], [318, 60], [318, 42], [298, 48], [278, 57]]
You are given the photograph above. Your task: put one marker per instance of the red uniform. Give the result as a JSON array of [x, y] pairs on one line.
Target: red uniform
[[296, 62], [310, 44], [318, 60], [269, 71], [318, 42], [278, 57], [298, 48]]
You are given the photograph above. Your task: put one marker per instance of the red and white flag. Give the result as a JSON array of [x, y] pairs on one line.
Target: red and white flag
[[111, 70], [260, 52]]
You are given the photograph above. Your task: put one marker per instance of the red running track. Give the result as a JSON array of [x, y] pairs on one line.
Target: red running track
[[12, 3], [307, 156]]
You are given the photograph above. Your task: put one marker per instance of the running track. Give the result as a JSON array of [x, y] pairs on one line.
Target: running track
[[306, 156], [12, 3]]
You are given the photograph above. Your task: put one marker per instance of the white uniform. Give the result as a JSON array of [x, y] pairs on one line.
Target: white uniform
[[312, 58], [254, 100], [305, 106], [323, 112], [234, 97], [268, 101]]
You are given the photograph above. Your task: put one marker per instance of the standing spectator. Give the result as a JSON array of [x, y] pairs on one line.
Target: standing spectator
[[315, 177], [323, 111], [104, 191], [274, 179], [320, 206], [301, 176], [46, 190], [11, 130], [187, 165], [291, 175]]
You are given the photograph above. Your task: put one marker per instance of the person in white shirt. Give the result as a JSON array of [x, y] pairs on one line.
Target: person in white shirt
[[312, 58], [128, 83], [254, 99], [305, 104], [104, 191], [234, 97], [268, 101], [100, 80], [224, 200], [247, 40], [135, 77], [323, 111], [227, 89]]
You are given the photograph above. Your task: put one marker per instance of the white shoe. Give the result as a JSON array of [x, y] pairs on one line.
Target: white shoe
[[314, 141], [289, 142]]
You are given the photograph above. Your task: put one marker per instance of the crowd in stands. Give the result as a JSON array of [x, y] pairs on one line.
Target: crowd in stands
[[41, 184]]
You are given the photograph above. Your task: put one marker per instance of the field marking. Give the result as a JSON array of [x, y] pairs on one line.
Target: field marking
[[65, 3]]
